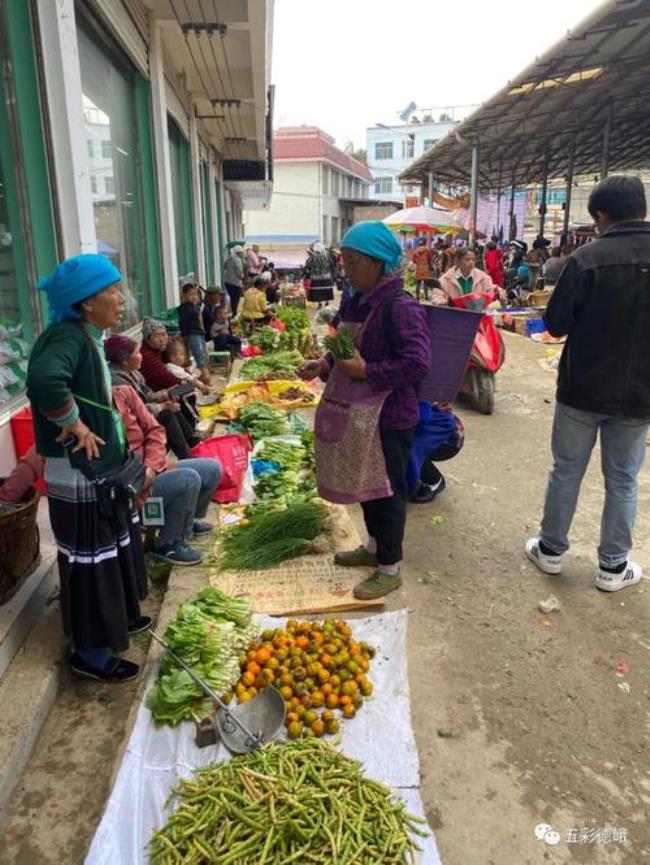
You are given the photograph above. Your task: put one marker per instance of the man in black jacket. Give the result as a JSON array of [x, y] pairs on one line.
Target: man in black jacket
[[602, 304]]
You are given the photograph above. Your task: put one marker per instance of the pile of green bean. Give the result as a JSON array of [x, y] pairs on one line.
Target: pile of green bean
[[286, 802]]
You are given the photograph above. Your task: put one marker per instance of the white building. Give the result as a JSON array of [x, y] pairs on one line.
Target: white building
[[392, 148], [315, 189]]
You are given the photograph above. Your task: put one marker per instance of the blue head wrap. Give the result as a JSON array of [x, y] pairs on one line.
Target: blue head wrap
[[376, 240], [76, 279]]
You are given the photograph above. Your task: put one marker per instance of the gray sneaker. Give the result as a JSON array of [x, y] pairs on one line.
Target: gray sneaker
[[359, 558], [177, 553]]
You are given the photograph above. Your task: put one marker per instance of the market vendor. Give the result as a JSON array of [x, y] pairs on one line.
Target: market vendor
[[466, 280], [125, 359], [366, 418], [185, 487], [101, 562]]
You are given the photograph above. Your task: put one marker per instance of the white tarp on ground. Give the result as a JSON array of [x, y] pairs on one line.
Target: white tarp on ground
[[380, 736]]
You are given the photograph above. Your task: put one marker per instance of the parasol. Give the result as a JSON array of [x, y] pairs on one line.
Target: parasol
[[427, 219]]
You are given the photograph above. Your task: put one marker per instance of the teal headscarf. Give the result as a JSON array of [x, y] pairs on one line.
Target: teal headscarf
[[76, 279], [376, 240]]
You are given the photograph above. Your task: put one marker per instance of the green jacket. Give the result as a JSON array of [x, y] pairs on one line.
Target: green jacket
[[65, 364]]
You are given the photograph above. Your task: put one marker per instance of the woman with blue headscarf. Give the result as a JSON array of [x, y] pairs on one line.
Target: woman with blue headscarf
[[367, 415], [81, 435]]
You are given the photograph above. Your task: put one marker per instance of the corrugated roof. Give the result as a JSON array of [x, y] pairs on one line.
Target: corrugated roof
[[597, 77], [308, 143]]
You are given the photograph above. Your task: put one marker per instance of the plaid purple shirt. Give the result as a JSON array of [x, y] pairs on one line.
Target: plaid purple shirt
[[396, 364]]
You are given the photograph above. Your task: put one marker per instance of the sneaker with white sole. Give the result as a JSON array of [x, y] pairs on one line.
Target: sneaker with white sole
[[550, 565], [629, 576]]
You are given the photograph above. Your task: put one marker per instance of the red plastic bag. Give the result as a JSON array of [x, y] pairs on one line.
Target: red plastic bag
[[488, 351], [231, 451], [251, 351]]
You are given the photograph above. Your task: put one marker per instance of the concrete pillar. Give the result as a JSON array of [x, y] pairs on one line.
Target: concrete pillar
[[163, 165], [473, 198], [213, 204], [62, 77], [431, 190], [607, 136], [542, 208], [569, 189], [197, 198], [511, 234]]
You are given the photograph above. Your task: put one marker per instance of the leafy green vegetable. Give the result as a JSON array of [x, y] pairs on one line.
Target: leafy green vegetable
[[294, 317], [280, 362], [268, 339], [261, 421], [341, 345], [208, 634]]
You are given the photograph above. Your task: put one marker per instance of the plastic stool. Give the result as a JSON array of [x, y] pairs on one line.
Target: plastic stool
[[220, 358]]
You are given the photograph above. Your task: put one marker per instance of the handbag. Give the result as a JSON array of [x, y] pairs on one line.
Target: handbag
[[117, 489]]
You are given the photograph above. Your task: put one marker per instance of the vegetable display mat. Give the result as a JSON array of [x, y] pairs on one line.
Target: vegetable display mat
[[380, 736]]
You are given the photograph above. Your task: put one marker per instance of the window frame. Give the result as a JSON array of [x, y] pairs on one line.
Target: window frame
[[380, 154]]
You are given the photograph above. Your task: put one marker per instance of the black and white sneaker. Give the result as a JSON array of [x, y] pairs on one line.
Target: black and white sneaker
[[550, 565], [607, 581], [426, 493]]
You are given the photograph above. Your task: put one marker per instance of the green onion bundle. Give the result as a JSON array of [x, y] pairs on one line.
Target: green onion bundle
[[299, 802], [341, 344], [272, 537]]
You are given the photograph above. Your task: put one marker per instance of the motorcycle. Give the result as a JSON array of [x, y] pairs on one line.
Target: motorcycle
[[486, 358]]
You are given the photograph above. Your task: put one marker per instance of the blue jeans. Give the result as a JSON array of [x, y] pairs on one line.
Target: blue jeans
[[198, 349], [186, 492], [623, 446]]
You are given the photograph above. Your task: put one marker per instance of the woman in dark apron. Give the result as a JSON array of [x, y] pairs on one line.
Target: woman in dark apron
[[366, 418]]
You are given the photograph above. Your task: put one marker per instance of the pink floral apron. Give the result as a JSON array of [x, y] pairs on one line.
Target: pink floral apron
[[350, 465]]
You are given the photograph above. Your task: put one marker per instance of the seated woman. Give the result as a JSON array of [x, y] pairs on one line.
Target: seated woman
[[466, 280], [154, 342], [254, 308], [271, 283], [186, 488], [124, 360]]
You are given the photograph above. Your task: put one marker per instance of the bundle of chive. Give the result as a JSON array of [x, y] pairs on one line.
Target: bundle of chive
[[341, 344], [272, 537]]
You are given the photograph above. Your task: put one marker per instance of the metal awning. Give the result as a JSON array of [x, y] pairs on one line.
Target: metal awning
[[582, 108]]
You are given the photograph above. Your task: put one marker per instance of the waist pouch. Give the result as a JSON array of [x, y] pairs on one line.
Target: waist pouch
[[117, 489]]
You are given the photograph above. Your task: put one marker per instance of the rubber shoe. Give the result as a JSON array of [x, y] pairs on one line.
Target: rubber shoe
[[116, 671], [377, 585], [630, 576], [202, 528], [550, 565], [359, 558], [177, 554]]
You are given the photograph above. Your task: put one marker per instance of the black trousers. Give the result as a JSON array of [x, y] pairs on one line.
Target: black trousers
[[385, 518], [180, 435], [234, 293]]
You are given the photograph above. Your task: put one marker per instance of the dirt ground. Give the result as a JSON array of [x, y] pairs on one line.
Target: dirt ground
[[521, 718]]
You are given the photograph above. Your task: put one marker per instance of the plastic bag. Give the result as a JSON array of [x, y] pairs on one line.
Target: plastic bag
[[231, 450], [488, 351]]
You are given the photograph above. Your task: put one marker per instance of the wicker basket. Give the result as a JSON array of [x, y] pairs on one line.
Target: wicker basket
[[19, 546]]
